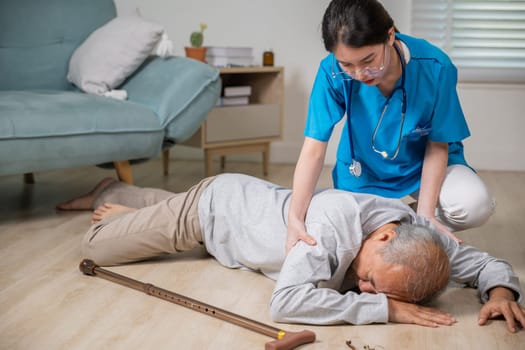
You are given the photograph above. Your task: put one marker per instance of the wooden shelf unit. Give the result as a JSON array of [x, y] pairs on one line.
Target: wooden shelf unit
[[246, 128]]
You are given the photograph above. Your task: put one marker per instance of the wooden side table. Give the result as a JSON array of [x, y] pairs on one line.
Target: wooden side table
[[245, 128]]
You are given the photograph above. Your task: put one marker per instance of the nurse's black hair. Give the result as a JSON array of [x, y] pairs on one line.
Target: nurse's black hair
[[355, 23]]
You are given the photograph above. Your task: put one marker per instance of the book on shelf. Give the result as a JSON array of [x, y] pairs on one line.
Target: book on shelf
[[241, 90], [229, 51], [235, 95], [233, 101], [228, 56], [224, 61]]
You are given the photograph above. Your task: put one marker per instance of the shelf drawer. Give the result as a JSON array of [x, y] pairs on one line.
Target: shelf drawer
[[243, 122]]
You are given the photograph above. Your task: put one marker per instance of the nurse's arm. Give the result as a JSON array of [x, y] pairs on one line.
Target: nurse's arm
[[434, 170], [306, 176]]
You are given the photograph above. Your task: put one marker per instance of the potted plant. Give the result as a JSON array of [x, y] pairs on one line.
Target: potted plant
[[196, 50]]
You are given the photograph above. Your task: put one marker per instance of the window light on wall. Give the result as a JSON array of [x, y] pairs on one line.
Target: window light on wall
[[484, 39]]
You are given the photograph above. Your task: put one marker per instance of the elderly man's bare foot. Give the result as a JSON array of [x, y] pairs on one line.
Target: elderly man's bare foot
[[109, 209], [86, 201]]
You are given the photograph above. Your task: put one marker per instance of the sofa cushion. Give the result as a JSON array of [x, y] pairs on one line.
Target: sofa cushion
[[37, 39], [28, 114], [70, 128], [180, 90], [112, 52]]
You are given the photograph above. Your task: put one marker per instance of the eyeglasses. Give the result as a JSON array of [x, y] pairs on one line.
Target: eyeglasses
[[370, 71]]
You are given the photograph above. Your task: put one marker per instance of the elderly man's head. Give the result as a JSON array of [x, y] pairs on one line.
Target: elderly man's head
[[406, 262]]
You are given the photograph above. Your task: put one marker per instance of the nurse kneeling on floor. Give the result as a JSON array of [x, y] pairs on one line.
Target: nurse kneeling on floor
[[404, 123]]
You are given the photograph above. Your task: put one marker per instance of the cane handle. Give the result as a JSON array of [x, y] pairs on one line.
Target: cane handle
[[291, 340]]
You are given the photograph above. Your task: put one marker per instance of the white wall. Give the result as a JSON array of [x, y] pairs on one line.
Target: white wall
[[495, 113], [292, 29]]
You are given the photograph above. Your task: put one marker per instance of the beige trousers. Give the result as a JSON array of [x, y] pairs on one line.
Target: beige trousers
[[164, 223]]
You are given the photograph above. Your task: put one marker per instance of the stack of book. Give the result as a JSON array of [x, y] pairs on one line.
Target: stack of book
[[235, 96], [226, 56]]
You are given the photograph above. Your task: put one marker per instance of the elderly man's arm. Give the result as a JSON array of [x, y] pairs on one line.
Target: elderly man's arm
[[301, 294], [479, 270], [402, 312], [324, 306], [502, 302], [494, 278]]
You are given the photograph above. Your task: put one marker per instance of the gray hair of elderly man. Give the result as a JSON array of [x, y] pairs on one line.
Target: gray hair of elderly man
[[419, 249]]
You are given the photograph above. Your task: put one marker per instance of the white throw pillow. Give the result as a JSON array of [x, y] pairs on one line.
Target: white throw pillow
[[112, 53]]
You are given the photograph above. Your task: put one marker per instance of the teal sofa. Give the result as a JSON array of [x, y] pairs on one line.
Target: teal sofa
[[47, 123]]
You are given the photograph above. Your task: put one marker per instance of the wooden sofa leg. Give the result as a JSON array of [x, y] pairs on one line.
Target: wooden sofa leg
[[123, 169], [29, 178], [166, 161]]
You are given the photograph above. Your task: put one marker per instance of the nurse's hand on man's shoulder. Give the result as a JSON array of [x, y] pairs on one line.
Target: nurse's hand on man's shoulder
[[297, 232]]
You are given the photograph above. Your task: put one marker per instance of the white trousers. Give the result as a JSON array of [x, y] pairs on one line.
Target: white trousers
[[464, 201]]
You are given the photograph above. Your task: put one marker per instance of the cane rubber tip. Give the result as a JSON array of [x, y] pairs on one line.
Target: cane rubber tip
[[87, 267], [291, 340]]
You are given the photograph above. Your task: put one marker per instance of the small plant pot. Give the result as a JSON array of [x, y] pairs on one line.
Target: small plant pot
[[197, 53]]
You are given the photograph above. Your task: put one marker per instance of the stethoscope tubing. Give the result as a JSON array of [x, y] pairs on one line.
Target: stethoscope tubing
[[384, 154]]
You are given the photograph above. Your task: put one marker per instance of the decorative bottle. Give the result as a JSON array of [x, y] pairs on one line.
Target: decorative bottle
[[268, 58]]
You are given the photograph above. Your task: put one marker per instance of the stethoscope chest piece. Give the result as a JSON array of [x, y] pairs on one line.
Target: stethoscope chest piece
[[355, 168]]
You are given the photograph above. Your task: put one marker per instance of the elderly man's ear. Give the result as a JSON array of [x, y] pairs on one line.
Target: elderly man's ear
[[384, 233]]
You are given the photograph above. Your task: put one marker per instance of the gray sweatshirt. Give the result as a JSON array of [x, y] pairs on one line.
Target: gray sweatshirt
[[244, 225]]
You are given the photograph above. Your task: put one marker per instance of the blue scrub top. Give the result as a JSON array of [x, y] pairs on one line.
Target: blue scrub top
[[432, 105]]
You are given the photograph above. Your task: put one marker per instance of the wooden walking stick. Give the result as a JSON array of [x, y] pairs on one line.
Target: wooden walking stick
[[284, 340]]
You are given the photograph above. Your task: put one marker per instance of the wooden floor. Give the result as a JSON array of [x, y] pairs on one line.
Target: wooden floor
[[46, 303]]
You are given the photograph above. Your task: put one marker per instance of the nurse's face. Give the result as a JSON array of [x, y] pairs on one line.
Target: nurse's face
[[366, 64]]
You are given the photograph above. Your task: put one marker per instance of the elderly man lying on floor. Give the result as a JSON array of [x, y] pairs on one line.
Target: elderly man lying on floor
[[373, 261]]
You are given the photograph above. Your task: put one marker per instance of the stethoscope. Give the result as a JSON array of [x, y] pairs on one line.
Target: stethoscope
[[355, 167]]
